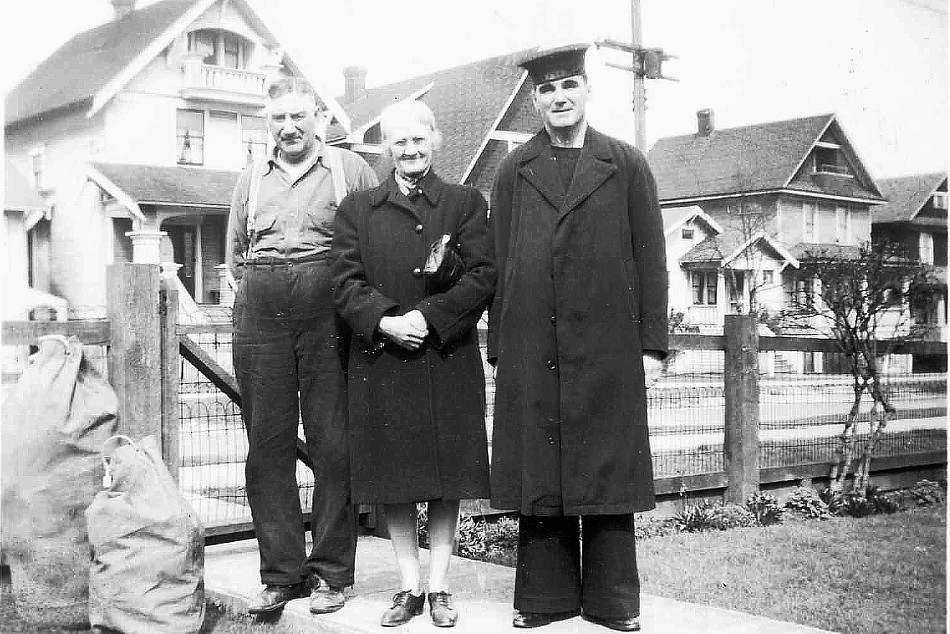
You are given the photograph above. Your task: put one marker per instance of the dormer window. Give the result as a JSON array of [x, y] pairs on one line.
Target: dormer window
[[219, 48], [688, 233], [828, 159]]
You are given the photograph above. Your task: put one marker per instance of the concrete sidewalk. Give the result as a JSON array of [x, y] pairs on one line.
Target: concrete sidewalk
[[482, 595]]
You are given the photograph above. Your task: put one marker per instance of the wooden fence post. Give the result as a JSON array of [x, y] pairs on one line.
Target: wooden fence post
[[171, 361], [741, 442], [135, 356]]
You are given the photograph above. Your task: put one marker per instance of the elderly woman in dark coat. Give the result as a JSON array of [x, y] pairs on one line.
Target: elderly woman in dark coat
[[416, 384]]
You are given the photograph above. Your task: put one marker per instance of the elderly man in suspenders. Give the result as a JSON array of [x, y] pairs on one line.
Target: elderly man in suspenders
[[289, 350]]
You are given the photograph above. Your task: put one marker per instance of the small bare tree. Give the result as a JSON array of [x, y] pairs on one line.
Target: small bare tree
[[862, 301]]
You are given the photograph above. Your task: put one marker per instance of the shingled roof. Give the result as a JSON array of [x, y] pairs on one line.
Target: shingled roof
[[152, 184], [745, 159], [76, 72], [466, 100], [906, 195]]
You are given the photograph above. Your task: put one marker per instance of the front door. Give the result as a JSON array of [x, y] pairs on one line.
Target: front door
[[184, 239]]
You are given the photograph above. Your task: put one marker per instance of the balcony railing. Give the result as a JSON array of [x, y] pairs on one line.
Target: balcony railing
[[203, 81]]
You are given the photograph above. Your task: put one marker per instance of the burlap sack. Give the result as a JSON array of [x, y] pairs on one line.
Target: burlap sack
[[147, 575], [54, 423]]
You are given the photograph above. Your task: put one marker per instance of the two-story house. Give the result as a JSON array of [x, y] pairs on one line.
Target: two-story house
[[779, 192], [135, 132], [915, 217]]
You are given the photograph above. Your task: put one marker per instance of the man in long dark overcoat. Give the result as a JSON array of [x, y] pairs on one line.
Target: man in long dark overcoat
[[577, 332]]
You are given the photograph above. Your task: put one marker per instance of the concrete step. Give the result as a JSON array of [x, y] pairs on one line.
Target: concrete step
[[482, 591]]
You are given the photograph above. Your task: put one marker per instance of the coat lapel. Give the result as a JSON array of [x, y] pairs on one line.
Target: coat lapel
[[594, 166], [538, 170], [389, 191]]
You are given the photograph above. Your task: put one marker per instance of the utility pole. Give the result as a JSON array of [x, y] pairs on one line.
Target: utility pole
[[647, 63]]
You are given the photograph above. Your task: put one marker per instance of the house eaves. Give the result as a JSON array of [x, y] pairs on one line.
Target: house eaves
[[116, 192], [796, 192], [501, 115], [785, 254], [692, 212], [358, 134]]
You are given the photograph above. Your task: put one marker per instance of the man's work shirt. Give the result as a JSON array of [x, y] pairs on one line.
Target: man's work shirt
[[295, 213]]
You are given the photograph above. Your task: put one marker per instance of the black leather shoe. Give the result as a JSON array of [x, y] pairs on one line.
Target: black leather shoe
[[539, 619], [442, 610], [325, 598], [405, 606], [621, 625], [273, 598]]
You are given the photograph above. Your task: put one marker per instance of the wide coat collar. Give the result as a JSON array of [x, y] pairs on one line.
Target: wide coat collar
[[431, 184], [594, 166]]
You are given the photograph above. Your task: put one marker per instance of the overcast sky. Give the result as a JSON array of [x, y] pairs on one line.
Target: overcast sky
[[881, 65]]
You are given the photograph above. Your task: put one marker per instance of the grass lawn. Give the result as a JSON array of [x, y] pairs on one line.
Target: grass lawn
[[885, 573]]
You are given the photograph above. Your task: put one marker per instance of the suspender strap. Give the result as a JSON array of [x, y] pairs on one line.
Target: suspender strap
[[335, 163], [258, 168]]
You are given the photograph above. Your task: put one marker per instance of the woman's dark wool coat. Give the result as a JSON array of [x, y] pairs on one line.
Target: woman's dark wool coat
[[416, 418], [582, 292]]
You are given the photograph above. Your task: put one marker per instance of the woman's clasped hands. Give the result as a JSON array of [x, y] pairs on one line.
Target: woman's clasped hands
[[407, 330]]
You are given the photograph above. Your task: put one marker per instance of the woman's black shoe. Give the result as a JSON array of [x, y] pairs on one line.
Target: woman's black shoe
[[538, 619], [405, 606], [621, 625]]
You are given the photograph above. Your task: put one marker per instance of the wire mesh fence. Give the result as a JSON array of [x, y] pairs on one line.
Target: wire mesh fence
[[801, 416]]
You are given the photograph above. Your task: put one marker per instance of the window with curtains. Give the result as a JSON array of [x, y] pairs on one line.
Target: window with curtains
[[705, 285], [191, 137], [253, 136]]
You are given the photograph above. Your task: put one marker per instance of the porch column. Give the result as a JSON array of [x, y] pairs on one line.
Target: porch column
[[145, 246], [225, 291]]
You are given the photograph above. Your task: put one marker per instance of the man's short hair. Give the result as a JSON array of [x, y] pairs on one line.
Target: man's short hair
[[413, 110], [290, 86]]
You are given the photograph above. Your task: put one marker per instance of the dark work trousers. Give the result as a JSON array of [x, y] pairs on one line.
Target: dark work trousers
[[551, 577], [288, 359]]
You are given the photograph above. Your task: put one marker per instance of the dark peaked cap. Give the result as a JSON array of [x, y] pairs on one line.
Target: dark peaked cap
[[555, 63]]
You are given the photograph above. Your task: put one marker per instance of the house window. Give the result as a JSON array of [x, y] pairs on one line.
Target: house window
[[704, 288], [688, 233], [768, 278], [810, 231], [940, 249], [940, 200], [843, 233], [926, 248], [736, 284], [828, 160], [38, 168], [218, 48], [802, 292], [191, 137], [253, 136]]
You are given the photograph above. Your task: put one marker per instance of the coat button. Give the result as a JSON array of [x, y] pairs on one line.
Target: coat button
[[418, 228], [417, 272], [553, 319], [552, 365]]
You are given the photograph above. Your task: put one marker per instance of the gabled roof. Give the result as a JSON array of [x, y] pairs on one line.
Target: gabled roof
[[467, 101], [726, 247], [753, 158], [18, 194], [906, 195], [79, 69], [88, 70], [153, 184], [675, 217]]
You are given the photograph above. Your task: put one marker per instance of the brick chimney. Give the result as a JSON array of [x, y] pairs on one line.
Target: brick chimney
[[705, 122], [355, 78], [122, 8]]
